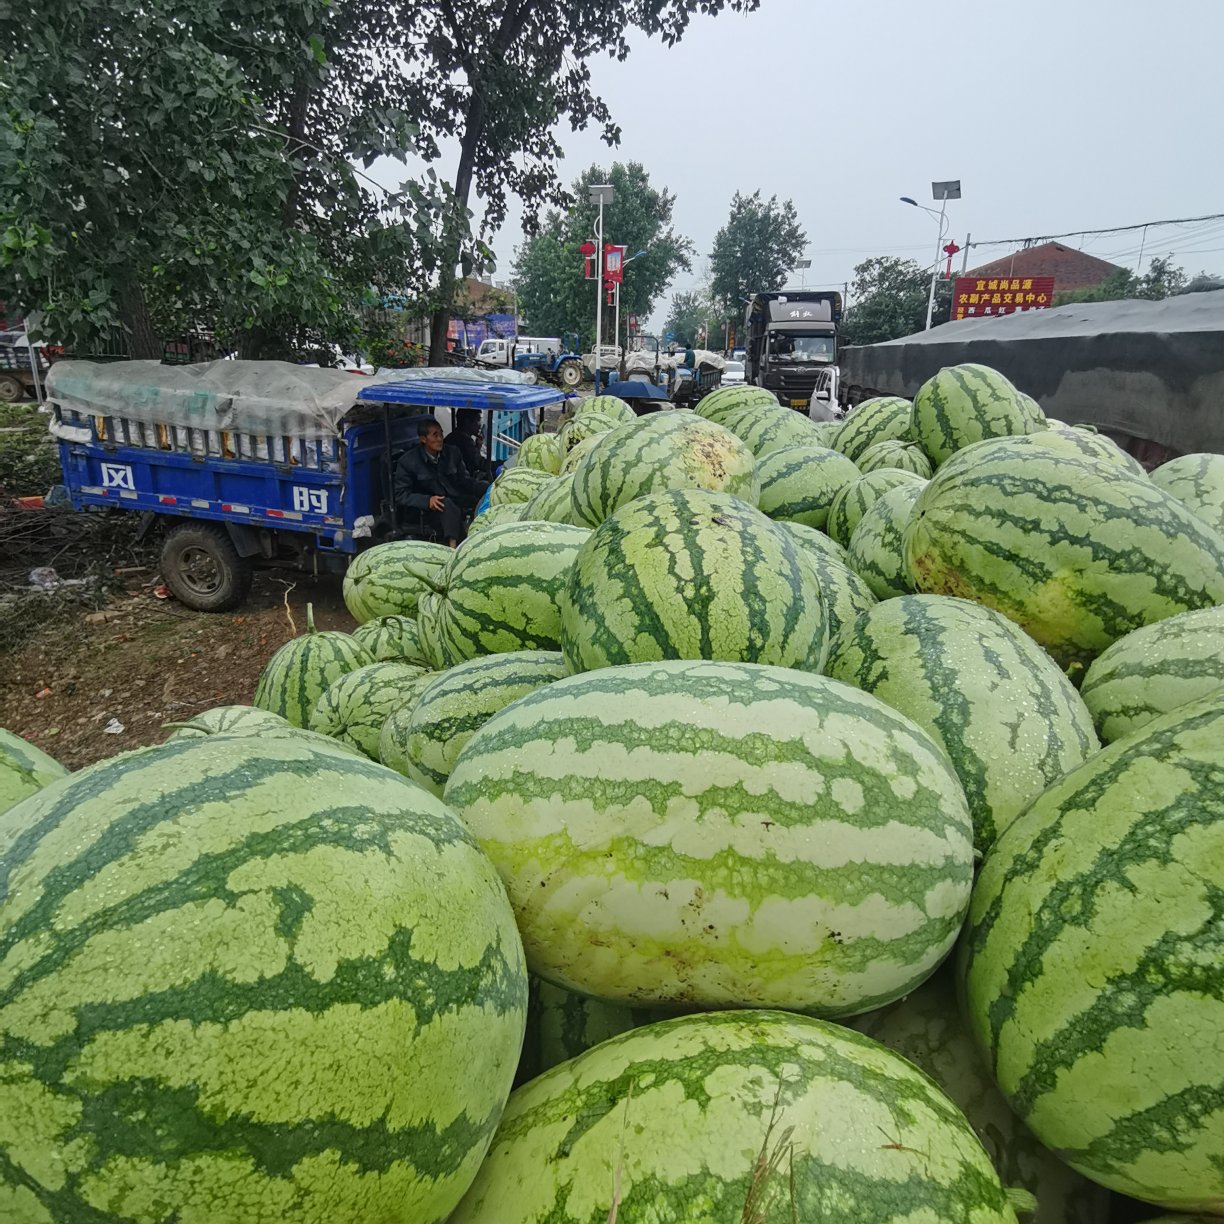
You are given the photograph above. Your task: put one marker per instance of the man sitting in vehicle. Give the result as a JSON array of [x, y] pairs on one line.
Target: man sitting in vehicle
[[432, 481], [465, 438]]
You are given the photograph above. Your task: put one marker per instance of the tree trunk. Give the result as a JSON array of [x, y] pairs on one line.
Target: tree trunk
[[143, 341]]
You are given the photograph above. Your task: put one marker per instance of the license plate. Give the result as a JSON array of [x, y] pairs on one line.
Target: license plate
[[798, 403]]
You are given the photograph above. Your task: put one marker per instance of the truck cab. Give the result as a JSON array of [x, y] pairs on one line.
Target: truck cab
[[792, 347]]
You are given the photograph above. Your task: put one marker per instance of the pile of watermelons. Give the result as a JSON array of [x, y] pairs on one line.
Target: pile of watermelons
[[816, 822]]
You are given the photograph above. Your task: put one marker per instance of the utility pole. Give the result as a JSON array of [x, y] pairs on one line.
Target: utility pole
[[601, 194]]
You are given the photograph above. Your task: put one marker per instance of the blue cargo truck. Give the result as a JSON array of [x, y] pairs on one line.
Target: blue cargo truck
[[242, 463]]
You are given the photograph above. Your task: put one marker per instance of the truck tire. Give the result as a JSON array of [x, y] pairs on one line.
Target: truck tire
[[532, 375], [202, 568], [11, 391], [570, 374]]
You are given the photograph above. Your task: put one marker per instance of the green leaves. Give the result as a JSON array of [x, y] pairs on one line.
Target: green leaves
[[754, 251]]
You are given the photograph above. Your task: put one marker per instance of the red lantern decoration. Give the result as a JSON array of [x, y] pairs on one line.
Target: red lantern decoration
[[588, 250]]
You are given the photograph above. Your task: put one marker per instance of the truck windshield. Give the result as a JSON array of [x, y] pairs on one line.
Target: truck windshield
[[789, 347]]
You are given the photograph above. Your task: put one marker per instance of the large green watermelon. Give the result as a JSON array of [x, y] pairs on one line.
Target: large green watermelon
[[1197, 481], [573, 459], [517, 485], [967, 403], [1154, 670], [877, 545], [799, 483], [495, 516], [389, 579], [297, 675], [691, 575], [424, 743], [542, 451], [552, 503], [735, 1118], [843, 593], [394, 639], [354, 707], [230, 720], [587, 425], [501, 592], [883, 419], [1009, 720], [1093, 962], [1076, 552], [24, 769], [720, 834], [771, 430], [726, 400], [283, 985], [895, 453], [1077, 443], [662, 452], [856, 498], [927, 1029], [606, 405]]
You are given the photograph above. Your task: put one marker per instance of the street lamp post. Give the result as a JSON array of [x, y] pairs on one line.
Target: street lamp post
[[616, 299], [943, 192], [802, 266], [601, 194]]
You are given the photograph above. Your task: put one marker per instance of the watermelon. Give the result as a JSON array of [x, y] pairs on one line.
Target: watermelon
[[389, 579], [580, 451], [662, 452], [1078, 444], [588, 425], [24, 769], [1078, 553], [779, 427], [927, 1029], [1085, 427], [719, 835], [607, 405], [691, 575], [541, 451], [501, 592], [882, 419], [297, 675], [354, 707], [495, 516], [877, 546], [269, 958], [230, 720], [967, 403], [1154, 670], [561, 1024], [725, 400], [798, 484], [895, 453], [743, 1116], [552, 503], [392, 639], [853, 501], [825, 432], [843, 593], [1009, 720], [517, 485], [1093, 962], [423, 743], [1197, 481]]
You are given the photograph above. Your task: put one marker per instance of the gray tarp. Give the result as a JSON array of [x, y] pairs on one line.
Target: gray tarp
[[1151, 370]]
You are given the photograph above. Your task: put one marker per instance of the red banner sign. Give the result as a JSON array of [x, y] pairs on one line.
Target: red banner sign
[[976, 296]]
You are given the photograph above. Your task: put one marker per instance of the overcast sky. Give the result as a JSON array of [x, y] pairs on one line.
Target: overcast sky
[[1055, 116]]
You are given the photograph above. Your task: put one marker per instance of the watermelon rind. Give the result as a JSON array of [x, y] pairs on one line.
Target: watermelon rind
[[228, 720], [354, 707], [541, 451], [579, 452], [799, 483], [883, 419], [895, 453], [392, 639], [1093, 962], [256, 987], [1076, 443], [517, 485], [1197, 481], [24, 769], [843, 593], [856, 498], [775, 429], [494, 516], [587, 425], [968, 403], [606, 405], [726, 400], [730, 1117], [389, 579], [552, 503], [703, 834], [877, 545]]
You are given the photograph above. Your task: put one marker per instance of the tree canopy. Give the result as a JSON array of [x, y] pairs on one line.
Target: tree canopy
[[553, 294], [690, 311], [1163, 279], [754, 250], [888, 299]]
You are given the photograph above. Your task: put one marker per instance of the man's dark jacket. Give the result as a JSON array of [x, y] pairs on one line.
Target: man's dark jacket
[[469, 448], [420, 476]]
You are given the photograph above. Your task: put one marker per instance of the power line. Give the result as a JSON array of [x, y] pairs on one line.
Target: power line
[[1083, 233]]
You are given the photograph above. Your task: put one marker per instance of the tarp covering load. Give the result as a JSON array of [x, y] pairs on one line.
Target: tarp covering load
[[1150, 370], [457, 374]]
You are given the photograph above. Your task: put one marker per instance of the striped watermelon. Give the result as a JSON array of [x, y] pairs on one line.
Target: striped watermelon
[[691, 575], [877, 547], [588, 425], [389, 579], [882, 419], [928, 1030], [967, 403], [296, 676], [1197, 481], [1094, 962], [541, 451], [1154, 670], [354, 707], [662, 452], [423, 743], [720, 834], [230, 720], [517, 485], [580, 451], [1076, 552], [843, 593], [392, 639], [907, 456], [501, 592], [552, 503], [495, 516], [1078, 444], [740, 1116], [779, 427], [269, 960], [798, 484], [607, 405], [24, 769], [1009, 720], [853, 501], [726, 400]]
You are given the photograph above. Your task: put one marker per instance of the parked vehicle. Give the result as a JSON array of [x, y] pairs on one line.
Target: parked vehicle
[[792, 347], [542, 358], [733, 375], [17, 375], [246, 462]]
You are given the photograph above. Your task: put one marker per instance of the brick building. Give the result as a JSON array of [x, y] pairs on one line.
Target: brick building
[[1070, 268]]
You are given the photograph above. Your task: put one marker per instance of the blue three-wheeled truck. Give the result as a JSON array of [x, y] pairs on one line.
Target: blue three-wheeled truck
[[246, 462]]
